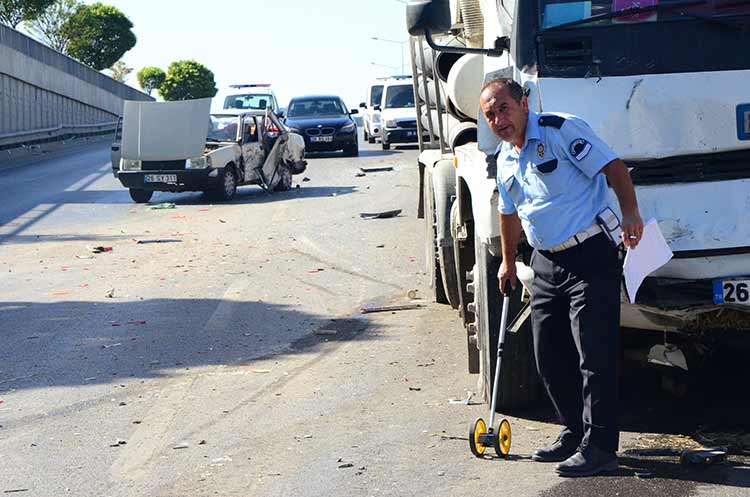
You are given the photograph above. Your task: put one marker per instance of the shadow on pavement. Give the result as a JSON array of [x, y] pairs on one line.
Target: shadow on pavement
[[85, 343]]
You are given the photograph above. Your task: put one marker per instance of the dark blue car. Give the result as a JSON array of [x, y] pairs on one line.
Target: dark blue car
[[325, 124]]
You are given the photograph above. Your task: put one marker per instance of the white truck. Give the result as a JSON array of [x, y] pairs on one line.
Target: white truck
[[179, 146], [678, 114]]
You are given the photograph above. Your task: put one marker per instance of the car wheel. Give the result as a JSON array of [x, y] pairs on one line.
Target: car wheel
[[227, 186], [370, 139], [352, 150], [285, 179], [386, 146], [366, 136], [140, 196]]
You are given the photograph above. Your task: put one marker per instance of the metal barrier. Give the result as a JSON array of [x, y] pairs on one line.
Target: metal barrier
[[20, 138]]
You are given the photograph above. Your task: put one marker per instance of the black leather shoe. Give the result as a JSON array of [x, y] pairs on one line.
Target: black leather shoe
[[587, 461], [565, 446]]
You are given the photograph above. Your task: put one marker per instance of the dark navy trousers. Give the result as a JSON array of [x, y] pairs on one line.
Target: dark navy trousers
[[575, 316]]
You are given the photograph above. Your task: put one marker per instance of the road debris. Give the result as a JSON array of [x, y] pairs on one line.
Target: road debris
[[346, 465], [164, 205], [137, 322], [111, 346], [325, 332], [318, 270], [260, 371], [644, 474], [15, 491], [441, 473], [110, 294], [380, 215], [157, 240], [391, 308], [415, 389], [118, 443], [99, 249], [706, 456], [305, 179], [183, 445], [412, 294], [60, 294], [380, 246], [359, 175], [465, 402], [375, 169], [87, 256]]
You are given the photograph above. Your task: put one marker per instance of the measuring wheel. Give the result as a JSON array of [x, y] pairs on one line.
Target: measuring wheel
[[478, 429], [502, 440]]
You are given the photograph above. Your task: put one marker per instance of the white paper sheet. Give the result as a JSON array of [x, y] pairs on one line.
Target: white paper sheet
[[651, 253]]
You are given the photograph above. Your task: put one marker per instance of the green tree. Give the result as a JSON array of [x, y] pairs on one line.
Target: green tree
[[150, 78], [99, 35], [186, 80], [120, 71], [13, 12], [48, 26]]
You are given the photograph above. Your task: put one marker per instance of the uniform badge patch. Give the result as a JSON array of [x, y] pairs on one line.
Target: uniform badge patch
[[540, 150], [580, 148]]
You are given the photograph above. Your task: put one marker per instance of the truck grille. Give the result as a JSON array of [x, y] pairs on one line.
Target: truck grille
[[163, 165], [692, 168], [319, 131], [406, 123]]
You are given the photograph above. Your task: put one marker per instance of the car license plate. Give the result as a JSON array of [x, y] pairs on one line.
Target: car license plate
[[735, 292], [160, 178], [321, 138]]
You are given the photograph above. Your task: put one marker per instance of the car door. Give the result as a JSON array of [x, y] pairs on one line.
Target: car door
[[252, 148]]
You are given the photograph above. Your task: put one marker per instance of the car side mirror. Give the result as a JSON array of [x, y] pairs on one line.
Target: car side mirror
[[354, 111], [377, 108], [362, 105], [428, 15]]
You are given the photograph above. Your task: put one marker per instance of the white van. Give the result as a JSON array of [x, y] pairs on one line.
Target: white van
[[371, 122], [246, 97], [398, 112]]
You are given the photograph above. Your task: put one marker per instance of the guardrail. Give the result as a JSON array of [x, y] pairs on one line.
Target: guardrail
[[20, 138]]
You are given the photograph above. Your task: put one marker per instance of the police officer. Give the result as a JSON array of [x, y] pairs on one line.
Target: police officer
[[552, 173]]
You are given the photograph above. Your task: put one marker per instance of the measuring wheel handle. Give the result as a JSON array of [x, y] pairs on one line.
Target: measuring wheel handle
[[476, 431]]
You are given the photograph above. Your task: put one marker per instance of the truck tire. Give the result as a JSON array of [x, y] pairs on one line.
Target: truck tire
[[519, 382], [140, 196], [432, 259], [227, 187], [285, 179]]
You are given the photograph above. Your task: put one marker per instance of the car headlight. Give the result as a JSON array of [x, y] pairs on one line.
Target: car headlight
[[376, 119], [198, 163], [391, 123], [130, 165], [349, 128]]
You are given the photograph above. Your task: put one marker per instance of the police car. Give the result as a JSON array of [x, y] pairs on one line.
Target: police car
[[247, 97]]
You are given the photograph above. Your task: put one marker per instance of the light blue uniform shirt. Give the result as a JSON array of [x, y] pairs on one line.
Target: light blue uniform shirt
[[554, 182]]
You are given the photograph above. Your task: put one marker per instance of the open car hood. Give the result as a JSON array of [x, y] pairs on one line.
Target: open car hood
[[164, 130]]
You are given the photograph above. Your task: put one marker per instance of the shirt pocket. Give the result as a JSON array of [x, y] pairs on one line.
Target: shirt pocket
[[509, 183], [548, 178]]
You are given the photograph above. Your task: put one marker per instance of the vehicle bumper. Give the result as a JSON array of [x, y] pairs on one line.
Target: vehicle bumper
[[401, 135], [187, 181], [339, 142]]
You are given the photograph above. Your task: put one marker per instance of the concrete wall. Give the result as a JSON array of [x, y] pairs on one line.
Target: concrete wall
[[41, 88]]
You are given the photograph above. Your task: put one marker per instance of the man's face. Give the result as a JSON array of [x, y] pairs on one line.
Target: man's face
[[506, 117]]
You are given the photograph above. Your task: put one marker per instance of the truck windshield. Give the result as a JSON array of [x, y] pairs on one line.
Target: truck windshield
[[556, 14], [316, 107], [376, 95], [222, 128], [250, 101], [399, 97]]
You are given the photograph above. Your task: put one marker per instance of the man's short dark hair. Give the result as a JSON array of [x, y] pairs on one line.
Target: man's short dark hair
[[516, 90]]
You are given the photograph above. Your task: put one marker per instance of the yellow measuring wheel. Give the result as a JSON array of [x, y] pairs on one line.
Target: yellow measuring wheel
[[478, 429]]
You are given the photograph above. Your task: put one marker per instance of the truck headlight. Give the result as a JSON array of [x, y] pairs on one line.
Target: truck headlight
[[348, 128], [130, 165], [198, 163], [391, 123]]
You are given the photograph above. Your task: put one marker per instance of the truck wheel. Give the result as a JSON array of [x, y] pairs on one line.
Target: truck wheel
[[140, 196], [519, 382], [285, 179], [432, 259], [227, 186], [386, 146]]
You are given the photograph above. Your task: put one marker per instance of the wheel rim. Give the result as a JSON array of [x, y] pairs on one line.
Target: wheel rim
[[229, 186], [478, 428], [504, 437]]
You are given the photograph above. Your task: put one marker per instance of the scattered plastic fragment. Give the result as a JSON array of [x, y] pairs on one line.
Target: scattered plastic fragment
[[346, 465], [412, 294], [465, 402], [706, 456], [359, 175], [116, 323], [118, 443], [98, 249], [317, 270], [644, 474], [260, 371], [183, 445], [305, 179], [59, 294], [157, 240], [375, 169], [415, 389], [390, 308], [111, 346], [137, 321], [165, 205], [84, 256], [380, 215]]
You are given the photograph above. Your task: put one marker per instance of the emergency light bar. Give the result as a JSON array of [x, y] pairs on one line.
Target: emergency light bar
[[251, 85]]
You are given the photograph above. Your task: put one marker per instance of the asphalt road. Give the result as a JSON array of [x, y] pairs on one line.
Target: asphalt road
[[226, 353]]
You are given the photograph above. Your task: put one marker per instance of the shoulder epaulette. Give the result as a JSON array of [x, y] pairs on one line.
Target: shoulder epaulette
[[554, 121]]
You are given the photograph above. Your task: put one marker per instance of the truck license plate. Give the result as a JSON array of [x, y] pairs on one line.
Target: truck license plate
[[160, 178], [735, 292], [321, 138]]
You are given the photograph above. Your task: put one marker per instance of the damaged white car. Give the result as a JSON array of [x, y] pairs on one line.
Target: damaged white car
[[179, 146]]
